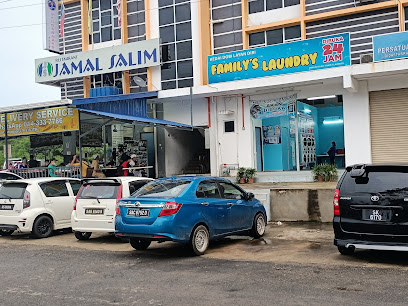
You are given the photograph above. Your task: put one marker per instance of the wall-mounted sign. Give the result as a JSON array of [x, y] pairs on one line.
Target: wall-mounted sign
[[271, 134], [305, 55], [261, 109], [48, 120], [51, 25], [390, 46], [113, 59]]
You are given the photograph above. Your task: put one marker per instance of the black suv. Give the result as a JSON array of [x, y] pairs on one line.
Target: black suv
[[371, 209]]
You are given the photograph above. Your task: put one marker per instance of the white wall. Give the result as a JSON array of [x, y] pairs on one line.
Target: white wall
[[357, 136], [154, 33], [285, 13], [179, 111]]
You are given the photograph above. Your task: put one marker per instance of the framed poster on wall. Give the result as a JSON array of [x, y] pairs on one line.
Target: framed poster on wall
[[271, 134]]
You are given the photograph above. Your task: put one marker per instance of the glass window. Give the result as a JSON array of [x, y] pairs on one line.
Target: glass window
[[106, 34], [135, 186], [12, 191], [168, 53], [167, 34], [183, 31], [75, 185], [106, 18], [162, 188], [229, 126], [170, 72], [55, 189], [257, 38], [99, 191], [185, 69], [169, 85], [274, 36], [256, 6], [273, 4], [106, 5], [229, 191], [185, 83], [184, 50], [183, 12], [208, 190], [95, 4], [166, 16], [165, 3], [291, 2], [292, 32]]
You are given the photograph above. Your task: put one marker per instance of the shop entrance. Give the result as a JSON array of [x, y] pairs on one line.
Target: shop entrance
[[316, 123]]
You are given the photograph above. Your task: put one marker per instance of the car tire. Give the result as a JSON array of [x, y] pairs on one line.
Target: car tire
[[42, 227], [4, 232], [345, 251], [258, 226], [200, 239], [82, 235], [139, 244]]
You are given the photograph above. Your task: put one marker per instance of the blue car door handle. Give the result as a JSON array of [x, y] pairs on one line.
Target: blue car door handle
[[205, 203], [230, 204]]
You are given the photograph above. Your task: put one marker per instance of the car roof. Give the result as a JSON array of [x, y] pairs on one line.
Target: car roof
[[11, 173], [41, 180], [380, 166], [195, 178], [118, 179]]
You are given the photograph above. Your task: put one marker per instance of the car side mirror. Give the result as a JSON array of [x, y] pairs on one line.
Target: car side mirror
[[250, 196]]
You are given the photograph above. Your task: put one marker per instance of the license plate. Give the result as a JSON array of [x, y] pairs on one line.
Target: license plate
[[377, 214], [6, 207], [94, 211], [136, 212]]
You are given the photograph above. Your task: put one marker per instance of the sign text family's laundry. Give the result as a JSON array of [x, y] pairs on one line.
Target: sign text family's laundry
[[298, 56], [106, 60]]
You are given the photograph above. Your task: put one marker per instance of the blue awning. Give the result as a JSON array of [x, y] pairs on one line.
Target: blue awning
[[139, 95], [136, 119]]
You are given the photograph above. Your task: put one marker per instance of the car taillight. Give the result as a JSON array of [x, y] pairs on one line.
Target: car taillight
[[76, 198], [117, 200], [170, 208], [26, 199], [336, 202]]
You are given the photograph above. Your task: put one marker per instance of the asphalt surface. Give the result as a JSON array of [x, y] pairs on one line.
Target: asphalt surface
[[235, 271]]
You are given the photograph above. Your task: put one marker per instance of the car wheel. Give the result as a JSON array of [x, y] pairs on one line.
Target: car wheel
[[4, 232], [139, 244], [42, 227], [258, 227], [345, 251], [82, 235], [200, 239]]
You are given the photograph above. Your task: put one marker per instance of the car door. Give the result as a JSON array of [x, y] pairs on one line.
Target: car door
[[239, 209], [58, 200], [213, 207]]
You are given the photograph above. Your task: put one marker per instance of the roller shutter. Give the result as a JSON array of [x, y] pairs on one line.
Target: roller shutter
[[389, 126]]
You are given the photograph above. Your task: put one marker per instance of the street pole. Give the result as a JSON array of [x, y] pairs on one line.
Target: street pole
[[80, 144], [6, 139]]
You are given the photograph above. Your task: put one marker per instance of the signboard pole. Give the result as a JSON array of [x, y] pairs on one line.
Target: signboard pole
[[5, 139]]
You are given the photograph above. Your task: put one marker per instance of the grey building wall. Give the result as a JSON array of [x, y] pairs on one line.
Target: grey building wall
[[322, 6]]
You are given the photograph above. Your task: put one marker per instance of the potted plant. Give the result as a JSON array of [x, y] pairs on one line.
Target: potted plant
[[318, 173], [331, 173], [241, 175], [250, 174]]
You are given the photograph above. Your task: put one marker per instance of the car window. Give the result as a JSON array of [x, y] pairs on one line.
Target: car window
[[208, 190], [162, 188], [75, 185], [8, 176], [55, 189], [229, 191], [377, 182], [12, 191], [135, 186], [100, 191]]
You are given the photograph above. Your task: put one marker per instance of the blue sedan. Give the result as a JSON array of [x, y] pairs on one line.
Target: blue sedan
[[191, 210]]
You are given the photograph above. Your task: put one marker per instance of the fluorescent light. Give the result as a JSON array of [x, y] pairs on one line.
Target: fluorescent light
[[332, 121], [307, 110], [322, 97]]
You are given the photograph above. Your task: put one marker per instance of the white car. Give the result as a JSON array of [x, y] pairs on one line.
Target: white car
[[95, 206], [6, 175], [37, 206]]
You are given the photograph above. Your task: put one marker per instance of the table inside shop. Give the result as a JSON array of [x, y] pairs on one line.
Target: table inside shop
[[325, 158], [113, 171]]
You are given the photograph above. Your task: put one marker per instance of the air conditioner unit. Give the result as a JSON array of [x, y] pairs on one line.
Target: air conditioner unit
[[366, 58]]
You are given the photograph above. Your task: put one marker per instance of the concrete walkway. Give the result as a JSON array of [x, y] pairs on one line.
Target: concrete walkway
[[291, 185]]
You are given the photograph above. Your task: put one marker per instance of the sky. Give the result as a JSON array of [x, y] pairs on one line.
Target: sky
[[20, 45]]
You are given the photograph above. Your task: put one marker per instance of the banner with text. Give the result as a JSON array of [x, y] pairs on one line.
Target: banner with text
[[49, 120], [298, 56], [278, 107], [390, 46], [51, 26], [131, 56]]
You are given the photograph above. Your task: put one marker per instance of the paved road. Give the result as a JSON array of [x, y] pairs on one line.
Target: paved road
[[238, 271]]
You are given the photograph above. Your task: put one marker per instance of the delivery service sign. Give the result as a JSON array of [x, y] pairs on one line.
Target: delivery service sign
[[306, 55]]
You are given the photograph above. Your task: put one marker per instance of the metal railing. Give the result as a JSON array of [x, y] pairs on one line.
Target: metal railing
[[66, 171]]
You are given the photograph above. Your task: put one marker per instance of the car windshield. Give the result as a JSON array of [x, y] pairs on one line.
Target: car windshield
[[12, 191], [377, 182], [99, 191], [162, 188]]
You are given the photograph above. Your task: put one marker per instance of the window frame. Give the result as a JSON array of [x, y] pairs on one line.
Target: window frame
[[265, 6], [284, 40], [113, 15]]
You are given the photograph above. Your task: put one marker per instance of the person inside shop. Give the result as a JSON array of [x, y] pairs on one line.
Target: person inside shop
[[52, 167], [125, 166], [114, 153], [32, 163], [133, 163], [111, 162], [332, 153], [23, 164], [76, 162], [46, 163], [122, 156], [95, 165]]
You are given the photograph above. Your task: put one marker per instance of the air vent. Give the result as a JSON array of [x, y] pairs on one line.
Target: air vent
[[366, 58]]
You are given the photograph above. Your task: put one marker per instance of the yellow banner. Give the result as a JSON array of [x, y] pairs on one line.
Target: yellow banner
[[48, 120]]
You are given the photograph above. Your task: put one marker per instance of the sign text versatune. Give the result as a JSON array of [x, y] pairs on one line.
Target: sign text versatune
[[47, 120], [298, 56], [113, 59]]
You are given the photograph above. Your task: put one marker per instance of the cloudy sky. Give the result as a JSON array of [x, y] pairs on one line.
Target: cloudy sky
[[21, 42]]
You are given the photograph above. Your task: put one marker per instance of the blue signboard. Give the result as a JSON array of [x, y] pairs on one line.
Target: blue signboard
[[390, 46], [306, 55]]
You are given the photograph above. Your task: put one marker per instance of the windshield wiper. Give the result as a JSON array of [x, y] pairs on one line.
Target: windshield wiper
[[7, 196]]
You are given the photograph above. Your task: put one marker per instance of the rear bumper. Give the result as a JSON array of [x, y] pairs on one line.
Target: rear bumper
[[8, 227], [93, 226], [364, 245], [144, 236], [17, 223]]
